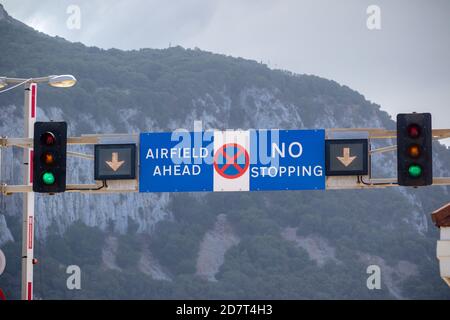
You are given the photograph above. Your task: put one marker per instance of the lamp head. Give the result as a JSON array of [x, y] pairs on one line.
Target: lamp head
[[62, 81], [3, 82]]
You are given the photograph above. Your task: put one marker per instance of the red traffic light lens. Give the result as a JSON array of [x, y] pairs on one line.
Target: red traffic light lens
[[48, 158], [414, 151], [48, 138], [413, 131]]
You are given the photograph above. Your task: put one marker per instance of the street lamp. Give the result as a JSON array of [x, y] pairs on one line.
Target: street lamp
[[60, 81], [30, 84]]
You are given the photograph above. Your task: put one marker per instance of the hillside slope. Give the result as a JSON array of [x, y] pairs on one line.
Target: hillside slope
[[147, 90]]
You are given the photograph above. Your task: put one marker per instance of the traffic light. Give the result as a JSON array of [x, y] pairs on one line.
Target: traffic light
[[414, 149], [49, 157]]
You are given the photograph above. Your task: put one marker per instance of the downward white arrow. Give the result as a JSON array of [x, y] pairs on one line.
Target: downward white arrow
[[115, 164], [346, 160]]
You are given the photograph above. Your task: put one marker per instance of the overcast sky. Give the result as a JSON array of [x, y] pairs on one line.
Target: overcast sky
[[404, 66]]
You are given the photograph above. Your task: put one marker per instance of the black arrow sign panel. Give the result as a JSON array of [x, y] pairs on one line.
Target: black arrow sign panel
[[346, 157], [115, 161]]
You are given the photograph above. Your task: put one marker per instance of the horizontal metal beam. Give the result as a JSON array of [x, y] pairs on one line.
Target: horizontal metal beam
[[384, 149], [80, 155], [28, 142], [83, 140], [351, 182], [126, 186], [374, 133], [16, 142], [82, 188], [441, 133], [117, 186], [441, 181]]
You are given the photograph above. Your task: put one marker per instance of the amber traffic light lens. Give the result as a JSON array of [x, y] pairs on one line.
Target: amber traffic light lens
[[414, 131], [48, 158], [414, 151], [48, 138]]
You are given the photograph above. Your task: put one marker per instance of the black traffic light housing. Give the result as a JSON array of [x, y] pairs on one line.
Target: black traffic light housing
[[414, 149], [49, 157]]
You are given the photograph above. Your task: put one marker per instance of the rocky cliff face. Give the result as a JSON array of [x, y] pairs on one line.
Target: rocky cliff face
[[262, 110]]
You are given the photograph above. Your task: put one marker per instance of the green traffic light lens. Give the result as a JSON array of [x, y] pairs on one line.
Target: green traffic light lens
[[415, 170], [48, 178]]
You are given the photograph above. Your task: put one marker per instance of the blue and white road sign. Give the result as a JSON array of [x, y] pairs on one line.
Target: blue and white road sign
[[172, 161], [295, 160], [250, 160]]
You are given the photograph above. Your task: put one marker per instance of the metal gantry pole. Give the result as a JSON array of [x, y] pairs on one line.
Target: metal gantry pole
[[28, 198]]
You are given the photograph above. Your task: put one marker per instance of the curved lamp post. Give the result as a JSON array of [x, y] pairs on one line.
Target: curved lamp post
[[30, 84]]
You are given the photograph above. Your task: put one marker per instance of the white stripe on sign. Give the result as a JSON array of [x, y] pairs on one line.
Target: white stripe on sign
[[232, 161]]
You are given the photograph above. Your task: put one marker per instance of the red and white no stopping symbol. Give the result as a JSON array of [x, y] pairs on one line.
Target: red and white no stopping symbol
[[231, 160]]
